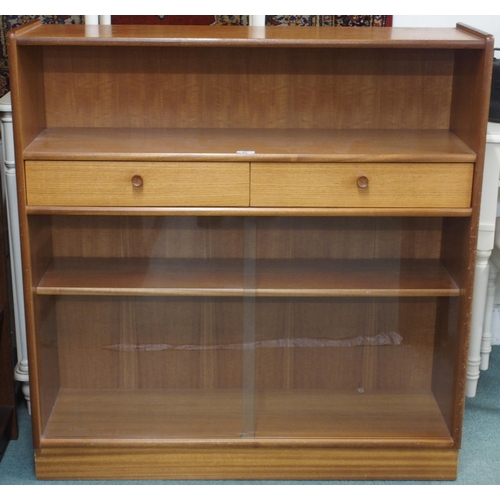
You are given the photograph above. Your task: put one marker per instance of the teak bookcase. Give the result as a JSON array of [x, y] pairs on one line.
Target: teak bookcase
[[248, 252]]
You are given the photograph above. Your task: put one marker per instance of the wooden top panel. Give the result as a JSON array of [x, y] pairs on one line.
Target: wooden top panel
[[248, 145], [248, 36]]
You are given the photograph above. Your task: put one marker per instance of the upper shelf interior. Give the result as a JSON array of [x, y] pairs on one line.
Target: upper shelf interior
[[249, 145], [289, 94]]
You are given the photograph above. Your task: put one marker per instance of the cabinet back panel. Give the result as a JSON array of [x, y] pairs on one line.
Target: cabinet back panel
[[134, 343], [224, 237], [238, 88], [351, 345], [148, 237], [348, 237]]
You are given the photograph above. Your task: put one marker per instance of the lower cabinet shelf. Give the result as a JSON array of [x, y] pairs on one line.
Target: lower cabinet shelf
[[395, 418]]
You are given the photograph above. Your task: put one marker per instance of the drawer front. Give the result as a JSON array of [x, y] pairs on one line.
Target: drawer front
[[135, 184], [382, 185]]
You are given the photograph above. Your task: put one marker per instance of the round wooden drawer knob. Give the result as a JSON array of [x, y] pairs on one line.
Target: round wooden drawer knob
[[137, 181], [362, 182]]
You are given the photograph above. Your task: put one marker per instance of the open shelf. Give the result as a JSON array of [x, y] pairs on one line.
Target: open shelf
[[198, 414], [186, 144], [226, 277]]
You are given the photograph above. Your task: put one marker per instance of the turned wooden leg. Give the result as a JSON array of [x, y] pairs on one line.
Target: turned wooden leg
[[477, 319], [488, 313]]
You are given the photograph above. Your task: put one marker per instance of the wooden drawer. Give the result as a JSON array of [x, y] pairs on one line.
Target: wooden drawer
[[88, 183], [396, 185]]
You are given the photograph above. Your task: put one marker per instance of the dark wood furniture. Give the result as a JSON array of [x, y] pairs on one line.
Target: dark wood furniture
[[8, 415], [248, 252]]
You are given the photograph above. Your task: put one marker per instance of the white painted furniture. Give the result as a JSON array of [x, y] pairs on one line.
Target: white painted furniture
[[490, 300], [8, 168], [486, 267], [493, 155]]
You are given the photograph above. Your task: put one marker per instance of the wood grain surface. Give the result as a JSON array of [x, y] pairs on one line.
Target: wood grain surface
[[246, 462], [111, 184], [247, 36], [276, 277], [188, 415], [195, 144], [385, 185], [234, 87]]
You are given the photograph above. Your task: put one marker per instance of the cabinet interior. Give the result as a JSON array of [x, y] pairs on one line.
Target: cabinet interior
[[228, 101], [263, 327]]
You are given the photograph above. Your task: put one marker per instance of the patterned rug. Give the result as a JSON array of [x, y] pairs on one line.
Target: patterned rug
[[9, 22], [329, 20], [185, 20], [270, 20]]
